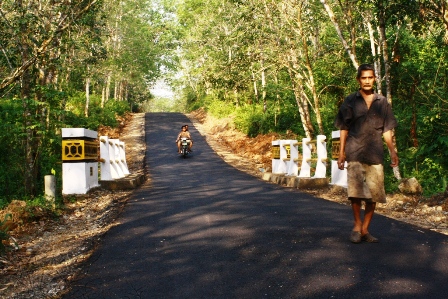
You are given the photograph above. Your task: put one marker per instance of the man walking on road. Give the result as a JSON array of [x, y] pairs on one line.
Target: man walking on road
[[363, 119]]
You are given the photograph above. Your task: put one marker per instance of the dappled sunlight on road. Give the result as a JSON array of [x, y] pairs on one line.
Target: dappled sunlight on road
[[201, 229]]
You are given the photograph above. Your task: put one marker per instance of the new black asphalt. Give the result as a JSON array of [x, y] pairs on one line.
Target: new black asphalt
[[202, 229]]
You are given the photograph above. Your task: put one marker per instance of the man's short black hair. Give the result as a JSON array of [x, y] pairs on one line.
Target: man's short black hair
[[365, 67]]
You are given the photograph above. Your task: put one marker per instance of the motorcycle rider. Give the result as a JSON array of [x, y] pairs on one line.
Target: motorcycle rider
[[183, 134]]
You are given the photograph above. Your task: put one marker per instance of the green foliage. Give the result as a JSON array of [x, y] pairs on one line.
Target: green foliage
[[250, 120], [427, 165], [106, 116], [432, 176], [190, 100], [219, 109], [11, 138]]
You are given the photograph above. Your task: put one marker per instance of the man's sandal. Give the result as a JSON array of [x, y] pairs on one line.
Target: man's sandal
[[355, 237], [369, 238]]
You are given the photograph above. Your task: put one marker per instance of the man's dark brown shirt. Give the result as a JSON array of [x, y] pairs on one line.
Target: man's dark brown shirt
[[365, 127]]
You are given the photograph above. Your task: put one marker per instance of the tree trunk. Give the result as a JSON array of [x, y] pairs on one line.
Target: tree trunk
[[254, 80], [309, 68], [263, 86], [277, 96], [103, 96], [339, 32], [86, 109], [376, 61], [108, 81], [302, 104], [23, 72], [384, 45], [413, 131]]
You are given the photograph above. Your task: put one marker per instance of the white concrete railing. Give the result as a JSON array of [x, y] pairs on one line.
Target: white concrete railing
[[286, 159], [112, 159]]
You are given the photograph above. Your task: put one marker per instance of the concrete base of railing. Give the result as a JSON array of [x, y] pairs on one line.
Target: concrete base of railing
[[295, 182], [130, 181]]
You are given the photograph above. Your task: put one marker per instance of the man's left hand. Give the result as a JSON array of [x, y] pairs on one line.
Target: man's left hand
[[393, 159]]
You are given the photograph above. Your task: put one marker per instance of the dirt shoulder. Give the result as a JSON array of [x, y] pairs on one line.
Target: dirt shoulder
[[47, 252]]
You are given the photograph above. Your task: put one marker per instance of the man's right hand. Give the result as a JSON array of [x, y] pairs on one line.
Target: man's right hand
[[341, 162]]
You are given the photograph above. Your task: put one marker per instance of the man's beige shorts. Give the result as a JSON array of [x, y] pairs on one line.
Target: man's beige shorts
[[366, 182]]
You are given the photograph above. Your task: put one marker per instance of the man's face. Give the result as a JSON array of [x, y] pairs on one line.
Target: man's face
[[366, 80]]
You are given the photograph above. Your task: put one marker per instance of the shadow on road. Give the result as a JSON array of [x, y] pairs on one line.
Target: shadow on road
[[202, 229]]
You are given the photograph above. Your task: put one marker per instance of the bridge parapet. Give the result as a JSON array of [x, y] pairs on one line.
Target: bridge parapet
[[293, 160], [80, 162]]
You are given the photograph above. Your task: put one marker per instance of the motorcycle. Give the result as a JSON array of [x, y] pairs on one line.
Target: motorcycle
[[184, 144]]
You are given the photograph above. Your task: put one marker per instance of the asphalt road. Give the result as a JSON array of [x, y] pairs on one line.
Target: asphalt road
[[202, 229]]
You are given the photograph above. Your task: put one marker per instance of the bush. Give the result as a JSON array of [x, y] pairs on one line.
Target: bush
[[219, 109], [251, 120]]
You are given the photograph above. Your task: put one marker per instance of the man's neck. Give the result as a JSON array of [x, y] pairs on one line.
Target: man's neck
[[367, 96], [367, 93]]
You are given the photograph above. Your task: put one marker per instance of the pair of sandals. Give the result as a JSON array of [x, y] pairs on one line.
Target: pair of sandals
[[356, 237]]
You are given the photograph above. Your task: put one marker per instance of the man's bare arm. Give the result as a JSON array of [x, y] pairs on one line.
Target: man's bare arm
[[390, 145], [343, 140]]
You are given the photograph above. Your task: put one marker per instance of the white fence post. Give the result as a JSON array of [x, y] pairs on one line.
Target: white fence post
[[338, 177], [105, 163], [284, 155], [292, 164], [305, 168], [123, 163], [321, 166], [278, 165], [116, 157]]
